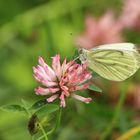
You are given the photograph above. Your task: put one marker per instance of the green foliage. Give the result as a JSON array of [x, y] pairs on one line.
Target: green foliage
[[13, 108], [38, 104], [46, 110], [136, 137], [26, 104], [40, 116]]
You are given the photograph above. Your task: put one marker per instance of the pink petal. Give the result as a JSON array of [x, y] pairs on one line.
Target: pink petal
[[64, 66], [68, 65], [62, 102], [80, 98], [48, 83], [41, 61], [39, 71], [56, 65], [65, 89], [49, 71], [37, 78], [81, 87], [45, 91], [84, 77], [52, 98], [73, 67]]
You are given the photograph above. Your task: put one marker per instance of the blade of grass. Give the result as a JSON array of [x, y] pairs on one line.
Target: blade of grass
[[114, 120], [130, 133]]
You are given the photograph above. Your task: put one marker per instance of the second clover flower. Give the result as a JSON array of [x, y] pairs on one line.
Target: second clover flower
[[62, 81]]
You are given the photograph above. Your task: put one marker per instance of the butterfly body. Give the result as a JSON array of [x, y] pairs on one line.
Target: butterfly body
[[115, 62]]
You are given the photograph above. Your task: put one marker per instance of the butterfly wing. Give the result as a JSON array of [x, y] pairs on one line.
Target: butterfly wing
[[117, 46], [115, 62]]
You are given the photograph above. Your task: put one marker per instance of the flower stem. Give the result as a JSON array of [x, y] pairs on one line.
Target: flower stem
[[116, 114], [54, 129], [43, 132], [57, 122]]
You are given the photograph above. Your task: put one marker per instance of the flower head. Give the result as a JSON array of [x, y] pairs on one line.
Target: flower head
[[130, 16], [102, 31], [60, 81]]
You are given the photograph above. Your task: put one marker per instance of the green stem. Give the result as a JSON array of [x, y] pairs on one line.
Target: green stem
[[26, 108], [116, 114], [43, 132], [57, 122], [56, 126]]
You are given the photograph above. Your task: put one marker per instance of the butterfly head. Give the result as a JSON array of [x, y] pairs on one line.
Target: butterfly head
[[82, 55]]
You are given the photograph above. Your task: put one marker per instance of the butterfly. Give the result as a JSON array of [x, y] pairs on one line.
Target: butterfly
[[115, 62]]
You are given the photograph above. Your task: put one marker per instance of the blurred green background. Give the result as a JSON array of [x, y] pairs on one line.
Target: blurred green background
[[29, 29]]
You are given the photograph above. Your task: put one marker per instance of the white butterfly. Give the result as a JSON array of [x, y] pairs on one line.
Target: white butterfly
[[115, 62]]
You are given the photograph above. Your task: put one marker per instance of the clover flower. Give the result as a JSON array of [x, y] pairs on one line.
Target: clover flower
[[62, 81], [130, 17], [97, 32]]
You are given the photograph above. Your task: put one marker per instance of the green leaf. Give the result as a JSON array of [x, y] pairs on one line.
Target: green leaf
[[38, 104], [46, 110], [13, 108], [25, 103], [94, 88]]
